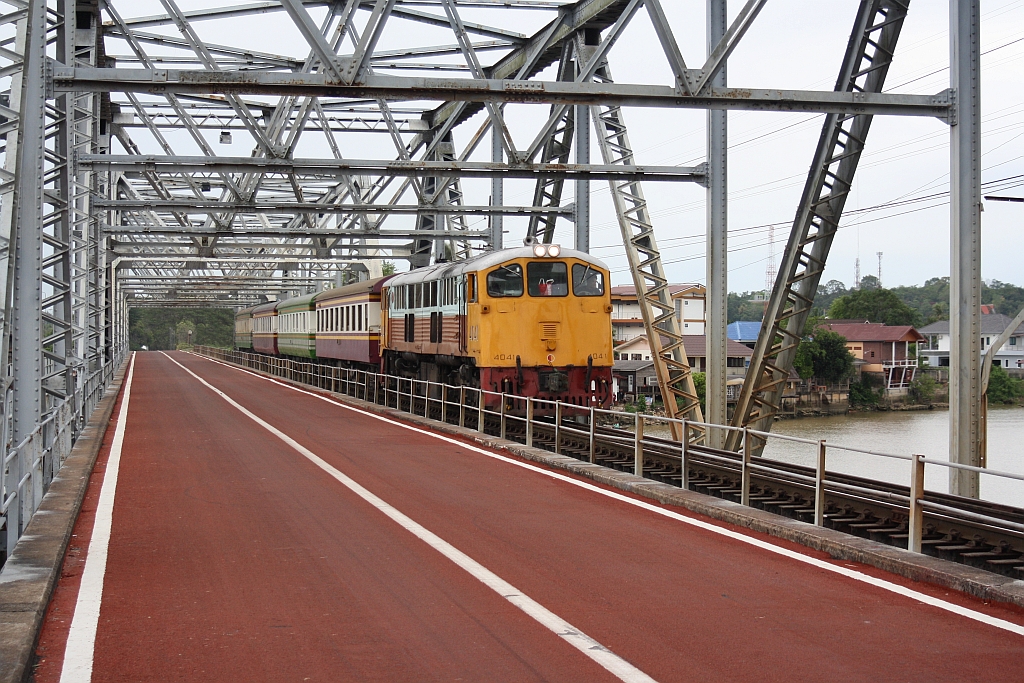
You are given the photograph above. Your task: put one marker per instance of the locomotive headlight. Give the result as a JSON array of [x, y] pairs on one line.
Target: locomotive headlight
[[539, 251], [554, 250]]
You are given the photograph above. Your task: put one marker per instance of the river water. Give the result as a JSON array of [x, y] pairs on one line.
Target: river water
[[904, 433]]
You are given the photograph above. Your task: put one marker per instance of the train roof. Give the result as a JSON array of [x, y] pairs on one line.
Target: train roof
[[302, 303], [246, 312], [483, 262], [265, 308], [365, 287]]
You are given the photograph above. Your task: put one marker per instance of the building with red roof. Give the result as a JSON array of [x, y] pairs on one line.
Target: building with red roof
[[890, 350]]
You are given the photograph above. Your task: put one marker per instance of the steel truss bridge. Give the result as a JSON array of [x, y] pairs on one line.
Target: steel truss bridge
[[354, 159]]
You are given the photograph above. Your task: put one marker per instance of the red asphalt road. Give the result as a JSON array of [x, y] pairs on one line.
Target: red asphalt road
[[234, 558]]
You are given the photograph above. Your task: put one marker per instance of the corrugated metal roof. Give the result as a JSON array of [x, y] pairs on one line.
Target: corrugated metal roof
[[744, 330]]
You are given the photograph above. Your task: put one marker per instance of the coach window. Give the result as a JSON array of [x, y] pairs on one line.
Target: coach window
[[505, 281], [586, 281], [547, 278]]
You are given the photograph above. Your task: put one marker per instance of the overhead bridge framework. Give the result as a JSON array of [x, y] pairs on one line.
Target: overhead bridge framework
[[113, 194]]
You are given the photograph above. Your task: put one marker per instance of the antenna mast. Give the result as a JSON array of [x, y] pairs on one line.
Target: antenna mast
[[879, 268], [770, 273]]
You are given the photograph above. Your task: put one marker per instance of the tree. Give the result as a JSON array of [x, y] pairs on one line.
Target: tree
[[870, 282], [833, 363], [387, 268], [827, 293], [149, 327], [823, 354], [876, 305], [1002, 388]]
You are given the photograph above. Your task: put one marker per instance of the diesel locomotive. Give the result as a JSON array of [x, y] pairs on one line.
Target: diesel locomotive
[[532, 321]]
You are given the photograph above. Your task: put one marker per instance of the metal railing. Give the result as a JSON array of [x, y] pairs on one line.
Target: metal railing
[[30, 466], [472, 407]]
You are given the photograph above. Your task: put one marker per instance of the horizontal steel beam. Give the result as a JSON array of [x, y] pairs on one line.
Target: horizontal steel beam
[[187, 205], [344, 167], [226, 238], [397, 88]]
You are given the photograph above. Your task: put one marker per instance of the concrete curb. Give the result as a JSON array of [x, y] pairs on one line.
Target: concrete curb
[[840, 546], [28, 578]]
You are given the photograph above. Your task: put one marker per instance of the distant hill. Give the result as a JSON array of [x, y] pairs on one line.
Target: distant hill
[[929, 302]]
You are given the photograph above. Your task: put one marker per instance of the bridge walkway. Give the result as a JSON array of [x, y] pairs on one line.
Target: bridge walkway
[[266, 533]]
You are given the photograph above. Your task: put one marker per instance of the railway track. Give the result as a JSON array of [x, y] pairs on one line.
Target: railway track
[[986, 535], [854, 505]]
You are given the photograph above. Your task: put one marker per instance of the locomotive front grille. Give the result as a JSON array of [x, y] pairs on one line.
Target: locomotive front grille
[[548, 331]]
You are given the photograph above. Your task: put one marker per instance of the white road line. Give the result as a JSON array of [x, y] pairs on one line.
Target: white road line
[[78, 652], [612, 662], [756, 542]]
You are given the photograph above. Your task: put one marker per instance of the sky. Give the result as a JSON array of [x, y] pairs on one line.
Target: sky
[[796, 44]]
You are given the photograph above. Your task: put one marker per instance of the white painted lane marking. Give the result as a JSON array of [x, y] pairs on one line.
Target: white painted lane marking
[[756, 542], [78, 653], [612, 662]]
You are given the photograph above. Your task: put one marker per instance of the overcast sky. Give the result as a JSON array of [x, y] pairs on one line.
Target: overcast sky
[[792, 44]]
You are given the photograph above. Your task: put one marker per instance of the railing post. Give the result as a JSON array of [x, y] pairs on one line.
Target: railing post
[[745, 469], [638, 445], [504, 410], [480, 410], [593, 454], [685, 456], [819, 486], [529, 421], [916, 511], [558, 427], [462, 405]]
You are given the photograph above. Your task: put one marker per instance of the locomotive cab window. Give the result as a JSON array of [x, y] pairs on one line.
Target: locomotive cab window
[[505, 281], [547, 278], [586, 281]]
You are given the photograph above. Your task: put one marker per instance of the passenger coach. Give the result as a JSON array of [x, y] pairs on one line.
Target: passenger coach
[[348, 324]]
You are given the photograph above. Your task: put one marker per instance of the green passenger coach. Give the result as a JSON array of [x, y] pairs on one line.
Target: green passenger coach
[[296, 334]]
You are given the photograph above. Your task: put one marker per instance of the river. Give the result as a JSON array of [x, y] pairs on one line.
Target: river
[[904, 433]]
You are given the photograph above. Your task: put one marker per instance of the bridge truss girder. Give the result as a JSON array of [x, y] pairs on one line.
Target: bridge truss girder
[[101, 211]]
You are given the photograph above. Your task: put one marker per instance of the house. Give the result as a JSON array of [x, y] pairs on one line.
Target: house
[[737, 358], [628, 323], [882, 349], [744, 331], [637, 378], [634, 377], [1011, 355]]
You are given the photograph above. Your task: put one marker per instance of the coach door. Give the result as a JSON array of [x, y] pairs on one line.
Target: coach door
[[464, 293]]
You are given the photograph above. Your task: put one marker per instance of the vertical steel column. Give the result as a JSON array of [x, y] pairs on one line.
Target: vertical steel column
[[717, 308], [497, 190], [27, 318], [582, 209], [965, 247]]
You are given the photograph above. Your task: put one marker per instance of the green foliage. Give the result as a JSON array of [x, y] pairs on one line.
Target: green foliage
[[876, 305], [1002, 388], [864, 392], [870, 282], [152, 327], [923, 388], [834, 363], [931, 300], [388, 268], [826, 294], [700, 383], [806, 354], [825, 356], [743, 307]]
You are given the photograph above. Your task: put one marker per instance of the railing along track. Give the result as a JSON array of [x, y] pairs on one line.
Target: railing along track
[[980, 533]]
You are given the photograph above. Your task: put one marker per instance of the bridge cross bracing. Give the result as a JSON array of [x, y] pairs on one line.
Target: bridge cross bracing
[[335, 135]]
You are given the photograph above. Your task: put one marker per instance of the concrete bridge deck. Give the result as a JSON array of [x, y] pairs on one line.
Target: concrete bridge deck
[[263, 532]]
